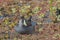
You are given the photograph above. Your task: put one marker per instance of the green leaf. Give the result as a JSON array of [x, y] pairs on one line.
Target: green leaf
[[58, 18], [41, 15], [13, 10], [36, 10]]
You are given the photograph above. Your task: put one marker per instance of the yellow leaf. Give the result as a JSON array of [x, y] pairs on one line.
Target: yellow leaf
[[36, 10], [40, 29], [13, 10], [41, 15], [15, 38], [0, 14], [10, 26], [6, 35], [13, 24], [6, 22], [28, 6], [58, 18]]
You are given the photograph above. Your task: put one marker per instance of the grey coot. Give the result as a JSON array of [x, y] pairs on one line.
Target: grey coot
[[29, 29]]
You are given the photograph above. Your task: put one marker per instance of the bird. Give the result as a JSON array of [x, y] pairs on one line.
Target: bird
[[25, 28]]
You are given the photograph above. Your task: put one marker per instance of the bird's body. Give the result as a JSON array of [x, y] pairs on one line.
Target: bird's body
[[25, 29]]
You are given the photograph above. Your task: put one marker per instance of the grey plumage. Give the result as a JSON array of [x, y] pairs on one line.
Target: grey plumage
[[22, 29]]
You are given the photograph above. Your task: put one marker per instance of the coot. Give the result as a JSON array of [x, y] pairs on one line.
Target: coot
[[25, 29]]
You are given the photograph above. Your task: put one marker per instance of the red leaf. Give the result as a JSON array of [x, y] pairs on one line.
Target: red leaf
[[0, 0]]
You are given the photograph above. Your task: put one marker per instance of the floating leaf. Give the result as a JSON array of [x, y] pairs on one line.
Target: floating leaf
[[15, 38], [13, 10], [6, 22], [6, 36], [28, 6], [10, 26], [41, 15], [40, 29], [0, 14], [58, 18], [36, 9], [57, 35], [23, 10]]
